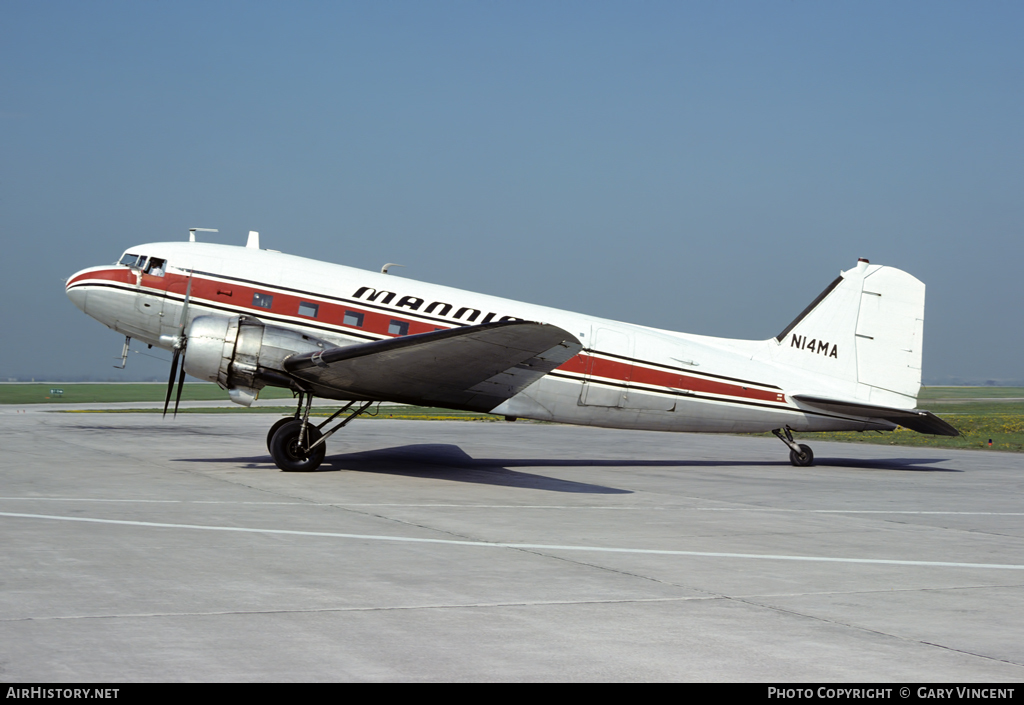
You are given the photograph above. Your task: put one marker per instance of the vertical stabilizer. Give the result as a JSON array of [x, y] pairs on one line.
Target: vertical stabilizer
[[864, 332]]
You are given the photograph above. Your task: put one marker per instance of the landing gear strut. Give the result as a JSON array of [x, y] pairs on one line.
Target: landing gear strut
[[298, 446], [281, 422], [800, 455]]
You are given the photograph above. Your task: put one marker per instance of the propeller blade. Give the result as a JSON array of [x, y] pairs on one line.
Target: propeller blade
[[184, 308], [181, 383], [170, 381], [179, 351]]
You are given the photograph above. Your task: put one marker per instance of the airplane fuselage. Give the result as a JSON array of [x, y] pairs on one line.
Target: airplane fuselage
[[626, 376]]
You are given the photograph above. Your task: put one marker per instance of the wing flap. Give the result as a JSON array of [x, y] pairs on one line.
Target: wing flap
[[475, 367], [914, 419]]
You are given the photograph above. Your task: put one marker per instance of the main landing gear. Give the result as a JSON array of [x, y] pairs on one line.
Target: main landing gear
[[297, 445], [799, 454]]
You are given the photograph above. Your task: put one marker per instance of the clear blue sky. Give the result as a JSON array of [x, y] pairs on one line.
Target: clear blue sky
[[704, 167]]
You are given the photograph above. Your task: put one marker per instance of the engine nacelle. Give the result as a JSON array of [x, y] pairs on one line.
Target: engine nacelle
[[242, 354]]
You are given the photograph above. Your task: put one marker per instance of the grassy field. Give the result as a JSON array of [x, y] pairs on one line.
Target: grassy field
[[75, 393], [981, 414], [422, 413], [957, 393]]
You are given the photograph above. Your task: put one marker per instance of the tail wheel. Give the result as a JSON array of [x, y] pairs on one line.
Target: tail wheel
[[803, 459], [289, 455]]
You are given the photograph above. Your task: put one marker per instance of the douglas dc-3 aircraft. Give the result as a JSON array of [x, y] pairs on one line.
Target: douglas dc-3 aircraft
[[246, 317]]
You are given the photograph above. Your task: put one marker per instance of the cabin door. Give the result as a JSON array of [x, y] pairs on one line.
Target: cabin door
[[608, 368]]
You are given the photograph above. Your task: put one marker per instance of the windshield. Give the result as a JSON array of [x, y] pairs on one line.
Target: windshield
[[130, 260]]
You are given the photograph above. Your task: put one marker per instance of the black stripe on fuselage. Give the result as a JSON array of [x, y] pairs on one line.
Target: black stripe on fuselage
[[417, 316], [407, 313], [684, 370], [412, 315], [159, 293], [205, 303], [702, 397]]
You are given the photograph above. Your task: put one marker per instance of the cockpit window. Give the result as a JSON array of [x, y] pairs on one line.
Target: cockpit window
[[130, 260], [156, 266]]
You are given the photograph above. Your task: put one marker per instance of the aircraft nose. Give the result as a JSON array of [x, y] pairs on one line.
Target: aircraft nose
[[78, 295]]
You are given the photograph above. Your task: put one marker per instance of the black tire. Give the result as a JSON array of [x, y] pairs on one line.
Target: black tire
[[287, 454], [274, 429], [803, 459]]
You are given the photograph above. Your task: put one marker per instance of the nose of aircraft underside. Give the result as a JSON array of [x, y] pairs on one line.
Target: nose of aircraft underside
[[78, 295]]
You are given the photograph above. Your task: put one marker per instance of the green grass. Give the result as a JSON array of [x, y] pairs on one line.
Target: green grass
[[39, 393], [952, 393], [421, 413], [74, 393], [1006, 434], [974, 408], [979, 413]]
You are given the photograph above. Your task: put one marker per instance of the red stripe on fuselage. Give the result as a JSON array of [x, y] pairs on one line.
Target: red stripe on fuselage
[[637, 374], [240, 296], [333, 314], [122, 275]]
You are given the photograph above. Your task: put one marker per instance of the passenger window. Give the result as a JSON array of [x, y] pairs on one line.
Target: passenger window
[[398, 328], [306, 309], [262, 300], [353, 319], [156, 267]]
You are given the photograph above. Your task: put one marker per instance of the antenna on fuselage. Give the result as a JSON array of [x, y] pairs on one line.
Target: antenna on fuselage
[[384, 269], [192, 232]]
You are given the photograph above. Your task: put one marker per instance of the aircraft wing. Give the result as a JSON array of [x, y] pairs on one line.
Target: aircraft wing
[[914, 419], [474, 367]]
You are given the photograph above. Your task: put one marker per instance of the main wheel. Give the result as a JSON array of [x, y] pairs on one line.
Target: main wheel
[[274, 429], [804, 458], [287, 453]]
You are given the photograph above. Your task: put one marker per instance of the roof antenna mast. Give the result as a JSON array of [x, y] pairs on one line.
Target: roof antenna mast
[[192, 232]]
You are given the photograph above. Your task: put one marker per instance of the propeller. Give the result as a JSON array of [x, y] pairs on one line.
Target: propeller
[[179, 343]]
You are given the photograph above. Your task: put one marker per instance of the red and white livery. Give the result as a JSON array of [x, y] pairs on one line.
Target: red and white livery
[[246, 318]]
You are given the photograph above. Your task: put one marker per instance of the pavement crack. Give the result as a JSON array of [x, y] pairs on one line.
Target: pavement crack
[[364, 608], [870, 630]]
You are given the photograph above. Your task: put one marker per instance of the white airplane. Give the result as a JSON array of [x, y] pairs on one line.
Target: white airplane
[[246, 318]]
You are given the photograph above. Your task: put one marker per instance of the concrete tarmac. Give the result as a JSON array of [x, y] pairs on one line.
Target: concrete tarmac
[[141, 549]]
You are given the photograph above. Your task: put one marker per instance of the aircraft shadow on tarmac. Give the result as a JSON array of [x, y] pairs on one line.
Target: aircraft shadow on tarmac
[[450, 462], [912, 464]]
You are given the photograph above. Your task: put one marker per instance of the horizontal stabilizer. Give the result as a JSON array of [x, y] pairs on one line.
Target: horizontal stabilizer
[[914, 419], [474, 367]]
